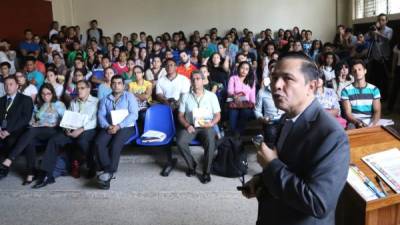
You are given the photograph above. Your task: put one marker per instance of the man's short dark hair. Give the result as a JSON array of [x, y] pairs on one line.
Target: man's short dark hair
[[27, 30], [5, 64], [11, 77], [93, 21], [196, 72], [30, 58], [85, 82], [115, 77], [170, 60], [382, 14], [308, 68], [360, 62]]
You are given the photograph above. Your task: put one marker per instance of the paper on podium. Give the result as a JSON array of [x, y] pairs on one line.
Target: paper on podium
[[387, 165], [357, 183], [73, 120], [117, 116], [381, 122]]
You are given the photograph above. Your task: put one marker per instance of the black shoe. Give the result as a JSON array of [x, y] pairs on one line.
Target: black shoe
[[27, 182], [4, 171], [105, 184], [168, 168], [44, 181], [205, 178], [191, 172]]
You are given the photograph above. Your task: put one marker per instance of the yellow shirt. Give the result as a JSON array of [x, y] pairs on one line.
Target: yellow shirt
[[135, 88]]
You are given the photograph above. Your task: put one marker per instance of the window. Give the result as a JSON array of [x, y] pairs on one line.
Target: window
[[370, 8]]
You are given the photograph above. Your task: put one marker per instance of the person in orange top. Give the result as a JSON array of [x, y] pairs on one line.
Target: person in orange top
[[186, 68]]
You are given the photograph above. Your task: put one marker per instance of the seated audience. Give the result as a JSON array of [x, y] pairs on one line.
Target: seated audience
[[15, 114], [47, 114], [266, 112], [142, 89], [129, 76], [105, 87], [82, 137], [186, 67], [242, 91], [198, 100], [25, 87], [156, 72], [329, 100], [51, 78], [170, 87], [361, 100], [33, 75], [120, 66], [343, 78], [209, 85], [112, 137]]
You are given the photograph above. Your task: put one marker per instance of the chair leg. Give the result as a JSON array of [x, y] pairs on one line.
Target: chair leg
[[171, 163]]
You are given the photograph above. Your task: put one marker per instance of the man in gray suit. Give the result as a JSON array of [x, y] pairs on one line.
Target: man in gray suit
[[305, 173]]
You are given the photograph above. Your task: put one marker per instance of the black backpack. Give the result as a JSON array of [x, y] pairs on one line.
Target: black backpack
[[231, 159]]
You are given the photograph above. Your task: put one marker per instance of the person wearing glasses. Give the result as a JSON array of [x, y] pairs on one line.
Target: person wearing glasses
[[47, 114], [84, 104], [199, 112]]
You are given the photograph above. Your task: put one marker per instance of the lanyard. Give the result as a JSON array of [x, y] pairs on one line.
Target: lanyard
[[8, 108], [80, 104], [115, 102], [199, 101]]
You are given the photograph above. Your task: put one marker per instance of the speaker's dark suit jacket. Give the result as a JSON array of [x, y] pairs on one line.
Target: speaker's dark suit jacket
[[19, 114], [302, 187]]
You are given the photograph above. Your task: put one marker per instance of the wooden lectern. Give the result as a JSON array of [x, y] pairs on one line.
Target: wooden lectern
[[352, 209]]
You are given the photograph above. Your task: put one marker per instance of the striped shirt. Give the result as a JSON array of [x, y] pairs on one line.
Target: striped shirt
[[361, 99]]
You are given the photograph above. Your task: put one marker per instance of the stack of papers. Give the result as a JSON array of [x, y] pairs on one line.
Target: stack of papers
[[358, 184], [387, 165], [73, 120], [201, 117], [153, 136], [381, 122]]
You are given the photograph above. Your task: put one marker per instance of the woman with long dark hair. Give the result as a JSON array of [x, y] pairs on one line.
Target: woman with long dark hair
[[47, 114], [241, 97]]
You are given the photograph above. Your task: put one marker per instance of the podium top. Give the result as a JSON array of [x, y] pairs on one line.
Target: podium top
[[366, 141]]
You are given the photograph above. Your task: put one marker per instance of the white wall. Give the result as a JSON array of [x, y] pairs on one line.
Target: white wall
[[157, 16]]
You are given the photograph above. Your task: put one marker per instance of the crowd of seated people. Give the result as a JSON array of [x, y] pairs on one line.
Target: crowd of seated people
[[226, 75]]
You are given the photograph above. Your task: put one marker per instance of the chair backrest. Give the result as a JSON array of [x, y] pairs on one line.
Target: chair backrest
[[159, 117]]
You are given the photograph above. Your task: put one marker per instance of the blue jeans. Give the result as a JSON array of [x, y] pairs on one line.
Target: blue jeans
[[238, 119]]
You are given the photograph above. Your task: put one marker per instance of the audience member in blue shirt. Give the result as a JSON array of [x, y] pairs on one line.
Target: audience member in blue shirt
[[28, 45], [112, 136], [34, 76]]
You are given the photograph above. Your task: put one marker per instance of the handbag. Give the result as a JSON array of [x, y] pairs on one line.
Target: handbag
[[241, 105]]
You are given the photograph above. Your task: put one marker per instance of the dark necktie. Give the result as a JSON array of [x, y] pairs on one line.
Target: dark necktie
[[9, 100], [287, 126]]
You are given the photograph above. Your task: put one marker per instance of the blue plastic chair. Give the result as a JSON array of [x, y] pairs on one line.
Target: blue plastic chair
[[159, 118], [134, 136]]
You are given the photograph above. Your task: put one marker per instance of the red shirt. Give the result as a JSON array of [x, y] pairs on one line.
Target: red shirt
[[187, 72]]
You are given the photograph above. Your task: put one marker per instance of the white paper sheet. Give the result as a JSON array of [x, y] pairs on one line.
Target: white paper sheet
[[387, 165], [73, 120], [117, 116]]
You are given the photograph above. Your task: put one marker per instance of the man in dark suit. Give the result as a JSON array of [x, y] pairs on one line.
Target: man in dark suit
[[15, 114], [305, 173]]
